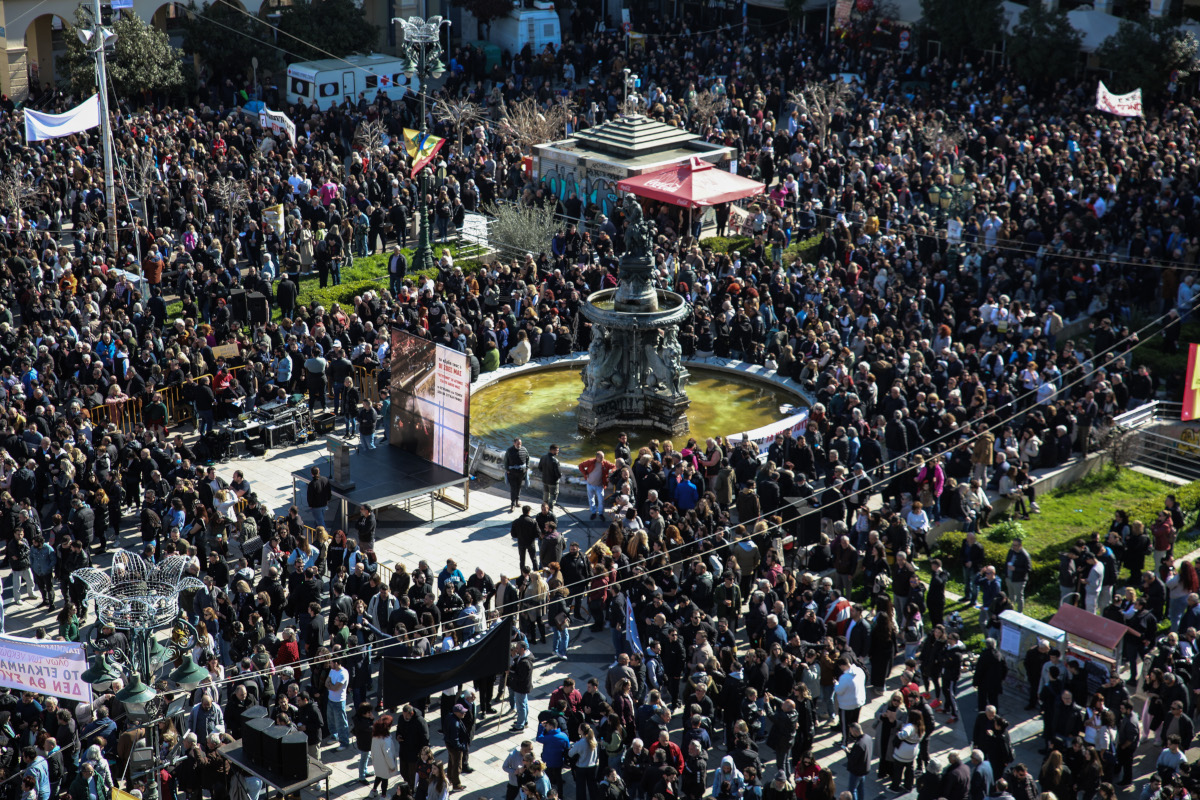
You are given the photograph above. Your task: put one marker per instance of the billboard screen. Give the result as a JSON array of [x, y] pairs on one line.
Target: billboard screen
[[431, 400]]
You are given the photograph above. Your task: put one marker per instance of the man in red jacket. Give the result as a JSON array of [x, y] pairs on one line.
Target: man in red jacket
[[595, 472]]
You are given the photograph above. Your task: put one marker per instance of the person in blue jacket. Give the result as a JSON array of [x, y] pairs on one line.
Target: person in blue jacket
[[555, 745]]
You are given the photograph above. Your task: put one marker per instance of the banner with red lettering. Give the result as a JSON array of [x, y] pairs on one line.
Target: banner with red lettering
[[1191, 386], [45, 667], [1123, 105]]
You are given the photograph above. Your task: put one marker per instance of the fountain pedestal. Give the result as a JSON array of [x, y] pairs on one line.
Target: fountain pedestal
[[635, 375]]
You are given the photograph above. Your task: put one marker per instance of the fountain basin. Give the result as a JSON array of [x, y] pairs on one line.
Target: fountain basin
[[600, 309], [540, 405]]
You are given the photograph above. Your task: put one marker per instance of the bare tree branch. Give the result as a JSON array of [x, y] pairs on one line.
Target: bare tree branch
[[369, 135], [458, 113], [15, 191], [530, 124], [233, 195], [703, 107], [820, 101]]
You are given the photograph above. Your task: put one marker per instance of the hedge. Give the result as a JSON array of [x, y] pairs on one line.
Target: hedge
[[725, 244], [997, 538]]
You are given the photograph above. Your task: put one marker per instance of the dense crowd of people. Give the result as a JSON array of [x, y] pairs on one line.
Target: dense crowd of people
[[933, 347]]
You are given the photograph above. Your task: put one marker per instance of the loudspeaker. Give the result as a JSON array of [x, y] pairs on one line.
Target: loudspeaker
[[253, 738], [294, 750], [280, 434], [256, 448], [258, 308], [253, 712], [273, 747], [237, 305]]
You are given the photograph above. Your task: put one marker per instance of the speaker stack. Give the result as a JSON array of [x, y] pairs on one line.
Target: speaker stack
[[253, 739], [258, 308], [237, 305], [293, 751]]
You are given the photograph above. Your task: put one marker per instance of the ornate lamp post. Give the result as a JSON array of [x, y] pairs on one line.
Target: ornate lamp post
[[422, 51], [138, 598]]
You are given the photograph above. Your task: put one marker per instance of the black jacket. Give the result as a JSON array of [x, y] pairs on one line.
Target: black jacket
[[520, 675], [319, 492]]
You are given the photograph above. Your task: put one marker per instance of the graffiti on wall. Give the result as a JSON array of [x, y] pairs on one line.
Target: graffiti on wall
[[597, 189]]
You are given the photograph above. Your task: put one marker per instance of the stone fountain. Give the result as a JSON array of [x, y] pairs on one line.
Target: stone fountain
[[635, 375]]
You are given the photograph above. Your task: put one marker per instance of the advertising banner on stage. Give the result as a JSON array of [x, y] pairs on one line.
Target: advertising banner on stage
[[431, 400], [44, 667]]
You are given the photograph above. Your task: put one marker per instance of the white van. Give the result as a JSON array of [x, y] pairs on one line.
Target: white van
[[537, 27], [331, 81]]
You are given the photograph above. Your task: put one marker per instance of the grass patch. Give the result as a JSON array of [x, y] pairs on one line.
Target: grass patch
[[1069, 513], [365, 273]]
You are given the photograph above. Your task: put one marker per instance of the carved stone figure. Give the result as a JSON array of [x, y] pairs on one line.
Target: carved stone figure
[[639, 234]]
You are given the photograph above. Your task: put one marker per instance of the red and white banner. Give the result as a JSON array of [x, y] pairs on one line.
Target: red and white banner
[[1123, 105]]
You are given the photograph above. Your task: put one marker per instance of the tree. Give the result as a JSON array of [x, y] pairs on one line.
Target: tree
[[530, 124], [227, 40], [16, 191], [937, 135], [963, 24], [142, 60], [326, 27], [1043, 45], [517, 229], [820, 101], [458, 114], [233, 195], [1142, 55], [703, 107]]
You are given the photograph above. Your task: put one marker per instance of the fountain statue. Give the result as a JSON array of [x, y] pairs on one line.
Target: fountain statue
[[635, 375]]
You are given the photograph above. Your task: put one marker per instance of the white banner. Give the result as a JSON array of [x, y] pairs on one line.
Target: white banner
[[1123, 105], [277, 122], [44, 667], [40, 126]]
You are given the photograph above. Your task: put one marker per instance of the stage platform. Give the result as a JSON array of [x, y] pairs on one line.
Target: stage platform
[[317, 772], [387, 476]]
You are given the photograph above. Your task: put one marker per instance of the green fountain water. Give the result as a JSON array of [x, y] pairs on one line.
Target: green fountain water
[[540, 408]]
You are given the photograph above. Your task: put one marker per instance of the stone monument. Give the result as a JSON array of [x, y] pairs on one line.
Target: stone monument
[[635, 375]]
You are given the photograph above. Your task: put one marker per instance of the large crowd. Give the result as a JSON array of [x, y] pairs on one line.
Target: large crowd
[[932, 345]]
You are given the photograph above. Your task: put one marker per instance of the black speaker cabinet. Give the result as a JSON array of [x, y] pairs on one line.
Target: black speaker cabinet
[[237, 305], [253, 712], [253, 733], [273, 747], [294, 750], [258, 308]]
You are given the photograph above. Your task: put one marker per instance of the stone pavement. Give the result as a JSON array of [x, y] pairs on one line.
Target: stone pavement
[[479, 537]]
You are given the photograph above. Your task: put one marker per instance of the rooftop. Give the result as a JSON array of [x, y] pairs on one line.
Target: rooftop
[[633, 135]]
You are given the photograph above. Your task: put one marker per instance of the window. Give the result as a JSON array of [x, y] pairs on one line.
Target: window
[[301, 87], [332, 89], [372, 81]]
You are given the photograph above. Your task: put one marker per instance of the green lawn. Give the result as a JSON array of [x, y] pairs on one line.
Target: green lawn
[[366, 273], [1069, 513]]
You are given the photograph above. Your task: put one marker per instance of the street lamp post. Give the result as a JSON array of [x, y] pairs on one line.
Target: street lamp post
[[422, 51], [102, 37], [139, 598]]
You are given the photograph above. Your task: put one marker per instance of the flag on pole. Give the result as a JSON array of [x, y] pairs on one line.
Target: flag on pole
[[421, 149], [82, 117], [631, 630], [1123, 105]]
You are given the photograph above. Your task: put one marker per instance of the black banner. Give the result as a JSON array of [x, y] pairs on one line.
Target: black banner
[[406, 679]]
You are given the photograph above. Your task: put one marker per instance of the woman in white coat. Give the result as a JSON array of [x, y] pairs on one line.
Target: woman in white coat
[[383, 755]]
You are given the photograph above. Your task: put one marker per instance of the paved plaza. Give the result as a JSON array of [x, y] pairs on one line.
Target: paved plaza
[[480, 537]]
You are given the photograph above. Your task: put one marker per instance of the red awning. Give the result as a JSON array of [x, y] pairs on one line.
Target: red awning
[[694, 184]]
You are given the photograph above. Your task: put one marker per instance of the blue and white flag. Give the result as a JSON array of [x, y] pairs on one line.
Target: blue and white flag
[[631, 628]]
